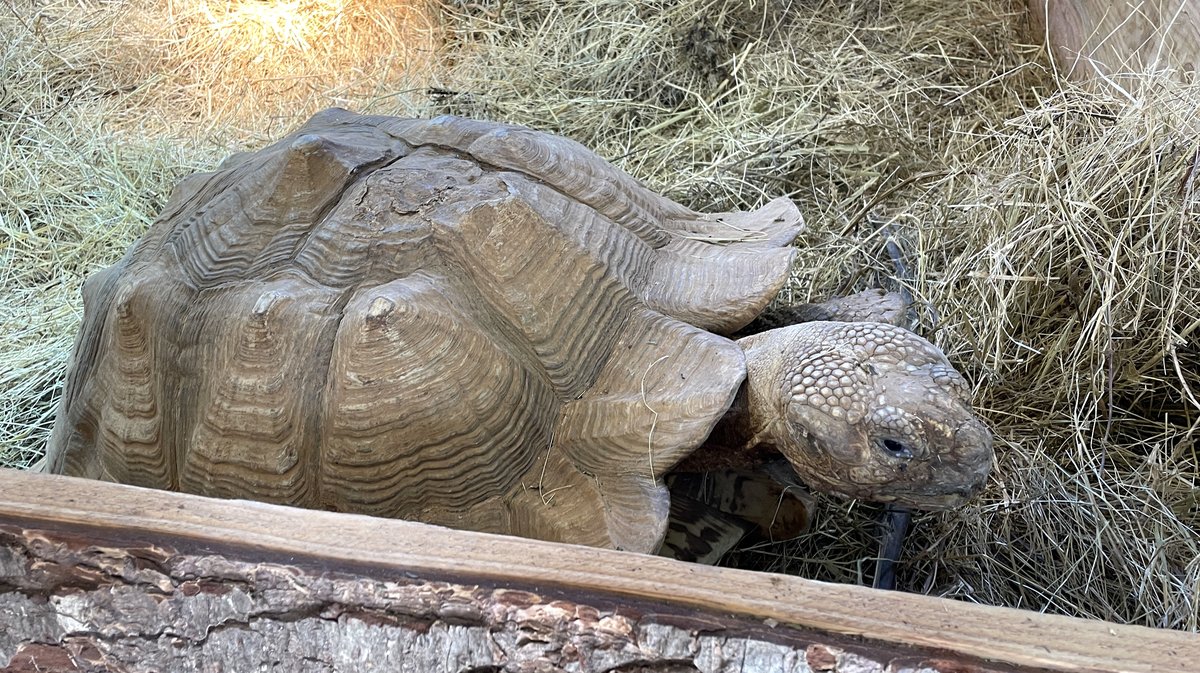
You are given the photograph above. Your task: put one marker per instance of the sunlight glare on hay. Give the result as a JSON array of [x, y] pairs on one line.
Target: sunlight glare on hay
[[238, 63], [291, 24]]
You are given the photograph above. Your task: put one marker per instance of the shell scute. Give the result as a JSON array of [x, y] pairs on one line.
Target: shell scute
[[265, 207], [422, 404], [249, 434], [379, 230], [131, 421], [570, 326], [120, 409]]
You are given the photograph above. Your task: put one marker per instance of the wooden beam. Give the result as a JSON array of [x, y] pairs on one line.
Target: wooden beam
[[49, 521], [1090, 38]]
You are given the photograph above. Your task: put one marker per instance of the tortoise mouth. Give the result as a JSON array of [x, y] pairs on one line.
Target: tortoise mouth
[[944, 497], [931, 502], [926, 497]]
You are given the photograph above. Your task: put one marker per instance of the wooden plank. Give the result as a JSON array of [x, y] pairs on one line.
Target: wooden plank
[[1090, 38], [85, 603], [1008, 639]]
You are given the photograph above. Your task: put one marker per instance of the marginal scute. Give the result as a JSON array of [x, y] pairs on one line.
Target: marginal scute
[[454, 321], [711, 300]]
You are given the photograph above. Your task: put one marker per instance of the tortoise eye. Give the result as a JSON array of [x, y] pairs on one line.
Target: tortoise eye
[[896, 449]]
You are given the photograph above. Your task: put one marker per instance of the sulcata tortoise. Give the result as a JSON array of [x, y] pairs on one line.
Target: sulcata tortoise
[[486, 327]]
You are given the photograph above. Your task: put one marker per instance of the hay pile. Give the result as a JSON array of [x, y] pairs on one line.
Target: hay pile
[[1050, 235]]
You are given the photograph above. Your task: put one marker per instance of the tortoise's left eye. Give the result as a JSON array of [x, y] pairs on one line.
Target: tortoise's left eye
[[895, 448]]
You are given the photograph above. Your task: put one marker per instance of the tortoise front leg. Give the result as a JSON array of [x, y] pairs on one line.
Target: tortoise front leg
[[873, 305], [712, 511]]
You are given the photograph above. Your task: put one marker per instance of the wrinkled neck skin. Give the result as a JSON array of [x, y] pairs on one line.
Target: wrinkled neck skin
[[866, 410], [733, 444], [748, 435]]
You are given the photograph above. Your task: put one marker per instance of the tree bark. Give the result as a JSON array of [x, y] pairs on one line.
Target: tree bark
[[74, 602], [101, 577]]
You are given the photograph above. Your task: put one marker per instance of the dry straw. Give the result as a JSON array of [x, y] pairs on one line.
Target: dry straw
[[1048, 233]]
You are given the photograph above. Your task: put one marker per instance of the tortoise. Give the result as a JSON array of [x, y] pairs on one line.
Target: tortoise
[[491, 328]]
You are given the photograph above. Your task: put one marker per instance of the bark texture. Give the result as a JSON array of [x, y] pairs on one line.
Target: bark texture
[[70, 604], [104, 577]]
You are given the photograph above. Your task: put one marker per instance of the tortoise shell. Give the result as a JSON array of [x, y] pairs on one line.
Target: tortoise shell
[[458, 322]]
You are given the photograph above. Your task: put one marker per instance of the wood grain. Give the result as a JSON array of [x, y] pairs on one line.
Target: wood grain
[[87, 599], [1008, 639], [1108, 37]]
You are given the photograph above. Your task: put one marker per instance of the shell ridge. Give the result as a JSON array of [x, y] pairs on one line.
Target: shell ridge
[[262, 209], [314, 458], [356, 179], [560, 163], [76, 415]]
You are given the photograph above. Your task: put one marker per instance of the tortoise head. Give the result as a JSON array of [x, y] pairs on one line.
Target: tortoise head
[[868, 410]]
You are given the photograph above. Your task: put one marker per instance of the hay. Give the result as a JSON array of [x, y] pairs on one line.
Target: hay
[[1061, 253], [1049, 235]]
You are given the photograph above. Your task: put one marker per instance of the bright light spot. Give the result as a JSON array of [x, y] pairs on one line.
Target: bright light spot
[[285, 23]]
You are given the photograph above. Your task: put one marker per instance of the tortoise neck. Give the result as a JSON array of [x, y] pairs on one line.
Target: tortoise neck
[[735, 430], [732, 444]]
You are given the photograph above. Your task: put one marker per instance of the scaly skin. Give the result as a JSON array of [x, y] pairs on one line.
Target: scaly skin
[[868, 410]]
